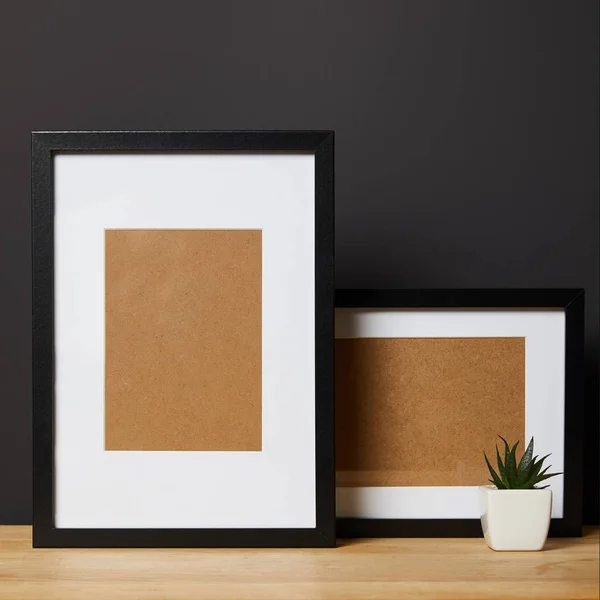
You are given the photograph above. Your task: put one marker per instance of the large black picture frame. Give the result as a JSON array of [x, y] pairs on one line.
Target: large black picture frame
[[45, 145], [572, 302]]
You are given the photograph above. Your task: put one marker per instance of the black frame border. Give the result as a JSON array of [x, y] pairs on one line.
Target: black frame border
[[44, 145], [572, 302]]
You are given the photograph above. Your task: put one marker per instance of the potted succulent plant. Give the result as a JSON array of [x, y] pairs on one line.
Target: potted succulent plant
[[515, 513]]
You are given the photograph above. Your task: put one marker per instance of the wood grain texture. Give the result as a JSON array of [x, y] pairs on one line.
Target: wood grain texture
[[376, 569], [183, 339], [413, 412]]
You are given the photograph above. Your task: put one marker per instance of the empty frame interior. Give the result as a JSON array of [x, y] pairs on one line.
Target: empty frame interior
[[183, 339], [420, 412]]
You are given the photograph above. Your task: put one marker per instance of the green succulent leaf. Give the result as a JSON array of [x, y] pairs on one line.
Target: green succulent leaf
[[501, 468], [506, 448], [537, 466], [510, 465], [526, 459], [531, 483], [539, 479], [495, 479], [506, 456], [542, 477], [525, 467]]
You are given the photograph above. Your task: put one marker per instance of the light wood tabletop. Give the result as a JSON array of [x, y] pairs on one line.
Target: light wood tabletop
[[377, 569]]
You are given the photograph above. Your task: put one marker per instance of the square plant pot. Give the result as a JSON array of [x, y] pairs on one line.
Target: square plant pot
[[515, 519]]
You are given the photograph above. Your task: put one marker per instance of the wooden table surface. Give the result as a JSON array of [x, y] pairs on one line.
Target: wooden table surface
[[379, 569]]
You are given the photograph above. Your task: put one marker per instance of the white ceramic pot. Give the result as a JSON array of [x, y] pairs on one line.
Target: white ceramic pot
[[515, 519]]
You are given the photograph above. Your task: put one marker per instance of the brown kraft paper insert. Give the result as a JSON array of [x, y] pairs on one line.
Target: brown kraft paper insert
[[421, 412], [183, 368]]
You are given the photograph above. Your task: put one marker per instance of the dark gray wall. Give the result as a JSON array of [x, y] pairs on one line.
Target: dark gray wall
[[467, 151]]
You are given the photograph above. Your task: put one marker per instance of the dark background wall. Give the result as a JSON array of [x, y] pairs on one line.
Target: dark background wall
[[467, 140]]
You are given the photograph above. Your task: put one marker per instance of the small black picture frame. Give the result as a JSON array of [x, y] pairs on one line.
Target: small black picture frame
[[46, 145], [571, 301]]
